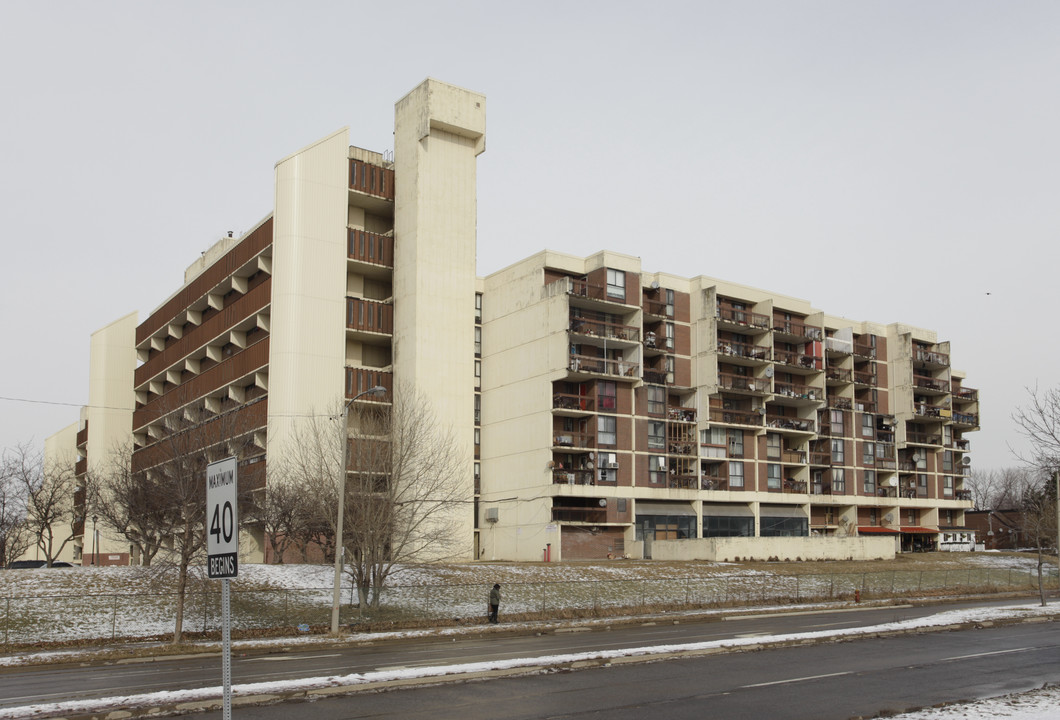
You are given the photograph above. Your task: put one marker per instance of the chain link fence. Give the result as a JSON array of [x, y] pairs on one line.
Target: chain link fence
[[27, 620]]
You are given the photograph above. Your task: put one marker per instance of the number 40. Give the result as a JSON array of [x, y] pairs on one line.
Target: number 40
[[222, 524]]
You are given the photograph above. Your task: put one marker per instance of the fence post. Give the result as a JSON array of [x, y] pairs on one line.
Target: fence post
[[796, 588], [920, 581], [205, 600], [7, 623], [427, 610], [687, 581], [893, 573], [831, 586], [863, 586], [113, 617], [544, 590]]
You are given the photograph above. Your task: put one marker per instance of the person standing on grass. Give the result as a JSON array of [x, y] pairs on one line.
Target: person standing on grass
[[495, 602]]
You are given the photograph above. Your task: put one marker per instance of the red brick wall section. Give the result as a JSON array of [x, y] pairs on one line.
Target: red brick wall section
[[580, 543]]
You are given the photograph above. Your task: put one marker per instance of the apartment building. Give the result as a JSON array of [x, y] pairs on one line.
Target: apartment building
[[621, 407], [596, 407]]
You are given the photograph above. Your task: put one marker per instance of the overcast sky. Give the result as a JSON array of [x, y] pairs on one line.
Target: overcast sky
[[887, 161]]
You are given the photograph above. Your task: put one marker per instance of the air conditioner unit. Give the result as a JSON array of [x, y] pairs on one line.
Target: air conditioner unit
[[608, 465], [492, 515]]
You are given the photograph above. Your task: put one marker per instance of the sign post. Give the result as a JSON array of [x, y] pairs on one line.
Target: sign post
[[222, 554]]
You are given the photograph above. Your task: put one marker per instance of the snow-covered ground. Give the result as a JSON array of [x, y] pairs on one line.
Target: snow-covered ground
[[1029, 706]]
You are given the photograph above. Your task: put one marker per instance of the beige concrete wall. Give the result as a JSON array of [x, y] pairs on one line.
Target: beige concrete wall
[[111, 368], [811, 548], [307, 351], [438, 133]]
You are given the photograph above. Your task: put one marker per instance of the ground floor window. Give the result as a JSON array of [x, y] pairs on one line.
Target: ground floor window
[[727, 526], [785, 527], [666, 527]]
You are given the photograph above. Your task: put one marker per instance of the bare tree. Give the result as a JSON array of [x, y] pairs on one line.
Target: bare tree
[[48, 490], [1039, 423], [15, 538], [403, 483], [406, 483], [999, 489], [283, 511], [131, 503], [174, 469]]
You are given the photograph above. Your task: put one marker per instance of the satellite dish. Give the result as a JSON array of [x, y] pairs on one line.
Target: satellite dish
[[654, 284], [769, 371], [966, 460], [889, 517], [761, 411], [915, 458], [603, 502]]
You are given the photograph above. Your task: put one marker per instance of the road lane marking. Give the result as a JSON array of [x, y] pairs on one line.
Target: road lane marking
[[289, 657], [795, 680], [986, 654]]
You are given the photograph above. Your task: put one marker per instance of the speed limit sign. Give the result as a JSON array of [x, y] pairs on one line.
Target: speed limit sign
[[222, 519]]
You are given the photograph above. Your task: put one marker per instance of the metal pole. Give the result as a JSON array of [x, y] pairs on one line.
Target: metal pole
[[336, 595], [1056, 477], [226, 648]]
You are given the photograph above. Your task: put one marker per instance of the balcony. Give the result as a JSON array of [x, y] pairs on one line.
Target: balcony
[[372, 180], [798, 391], [370, 321], [589, 295], [796, 331], [576, 404], [371, 248], [82, 435], [930, 358], [681, 414], [360, 379], [927, 410], [962, 494], [786, 422], [743, 383], [820, 458], [839, 403], [864, 350], [657, 308], [835, 346], [930, 384], [604, 330], [561, 476], [795, 486], [864, 378], [742, 319], [603, 366], [838, 376], [736, 417], [654, 344], [565, 439], [733, 349], [964, 445], [966, 419], [797, 457], [682, 447], [713, 452], [797, 360], [713, 482], [923, 438], [656, 377], [963, 394]]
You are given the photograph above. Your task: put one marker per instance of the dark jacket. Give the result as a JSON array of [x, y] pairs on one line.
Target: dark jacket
[[495, 596]]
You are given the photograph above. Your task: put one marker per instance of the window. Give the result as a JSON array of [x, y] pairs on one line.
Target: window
[[839, 481], [837, 451], [735, 443], [478, 341], [608, 470], [947, 435], [784, 527], [478, 471], [478, 368], [478, 436], [656, 400], [616, 284], [669, 368], [656, 434], [735, 474], [728, 526], [773, 445], [835, 419], [669, 304], [606, 396], [868, 453], [605, 430], [670, 334], [921, 481], [773, 476], [868, 484], [714, 436], [947, 486], [868, 426], [478, 409], [657, 469], [947, 461], [874, 516], [478, 307]]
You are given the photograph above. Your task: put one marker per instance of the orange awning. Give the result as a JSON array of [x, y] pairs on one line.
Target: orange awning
[[914, 530]]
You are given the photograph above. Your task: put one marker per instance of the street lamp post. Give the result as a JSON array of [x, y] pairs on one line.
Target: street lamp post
[[95, 541], [336, 596]]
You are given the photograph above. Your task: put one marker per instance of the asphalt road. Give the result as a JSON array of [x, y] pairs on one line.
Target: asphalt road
[[52, 684], [822, 682]]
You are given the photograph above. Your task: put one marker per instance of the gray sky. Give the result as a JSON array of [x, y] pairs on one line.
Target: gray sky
[[816, 149]]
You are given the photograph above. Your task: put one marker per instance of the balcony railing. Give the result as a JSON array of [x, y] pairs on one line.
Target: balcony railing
[[681, 447], [931, 383], [797, 390], [681, 414], [865, 350], [795, 486], [574, 439], [359, 380], [586, 289], [835, 345], [569, 401], [743, 317], [931, 357], [966, 394], [561, 476], [793, 456], [839, 403], [728, 381], [735, 417], [370, 247], [966, 418], [928, 410], [864, 378], [821, 458], [796, 359], [923, 438], [962, 494], [711, 482], [372, 179], [838, 374], [657, 308], [962, 444], [744, 350], [797, 329], [656, 377], [604, 366], [369, 315], [600, 328], [786, 422]]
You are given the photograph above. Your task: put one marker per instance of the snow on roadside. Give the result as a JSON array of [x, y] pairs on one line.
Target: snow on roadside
[[950, 617], [1039, 704]]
